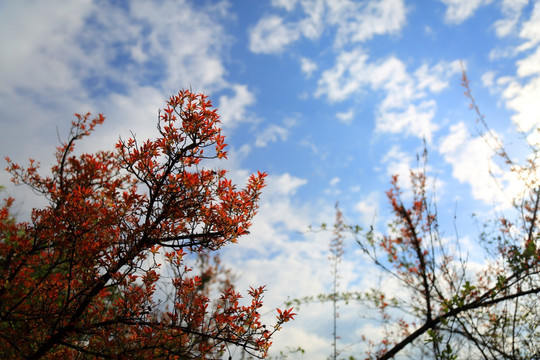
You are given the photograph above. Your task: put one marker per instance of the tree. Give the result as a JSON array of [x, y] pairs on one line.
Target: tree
[[80, 280], [442, 308], [438, 307], [449, 311]]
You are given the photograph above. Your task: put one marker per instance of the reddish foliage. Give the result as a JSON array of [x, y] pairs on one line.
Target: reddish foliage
[[80, 279]]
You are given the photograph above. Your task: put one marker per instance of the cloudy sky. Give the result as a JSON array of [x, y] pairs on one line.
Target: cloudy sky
[[329, 97]]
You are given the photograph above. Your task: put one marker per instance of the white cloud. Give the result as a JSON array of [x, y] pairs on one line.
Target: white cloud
[[313, 24], [435, 78], [286, 4], [530, 30], [415, 120], [521, 92], [501, 53], [233, 109], [346, 117], [391, 75], [471, 160], [39, 88], [40, 38], [405, 107], [316, 347], [272, 35], [523, 99], [139, 111], [333, 190], [368, 208], [307, 66], [460, 10], [285, 184], [488, 79], [361, 21], [196, 63], [354, 22], [512, 10], [348, 76], [272, 133], [530, 65], [78, 54], [399, 163], [334, 181]]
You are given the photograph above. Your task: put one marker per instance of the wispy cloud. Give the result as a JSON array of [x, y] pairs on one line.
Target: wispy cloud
[[368, 209], [472, 162], [361, 21], [233, 109], [522, 91], [398, 162], [406, 107], [307, 66], [346, 117], [271, 133], [274, 132], [530, 30], [512, 10], [272, 35], [458, 11], [286, 4], [353, 21]]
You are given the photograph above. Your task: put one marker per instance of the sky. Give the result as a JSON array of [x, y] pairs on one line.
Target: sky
[[329, 97]]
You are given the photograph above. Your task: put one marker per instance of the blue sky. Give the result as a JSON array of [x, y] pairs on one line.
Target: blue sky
[[330, 97]]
